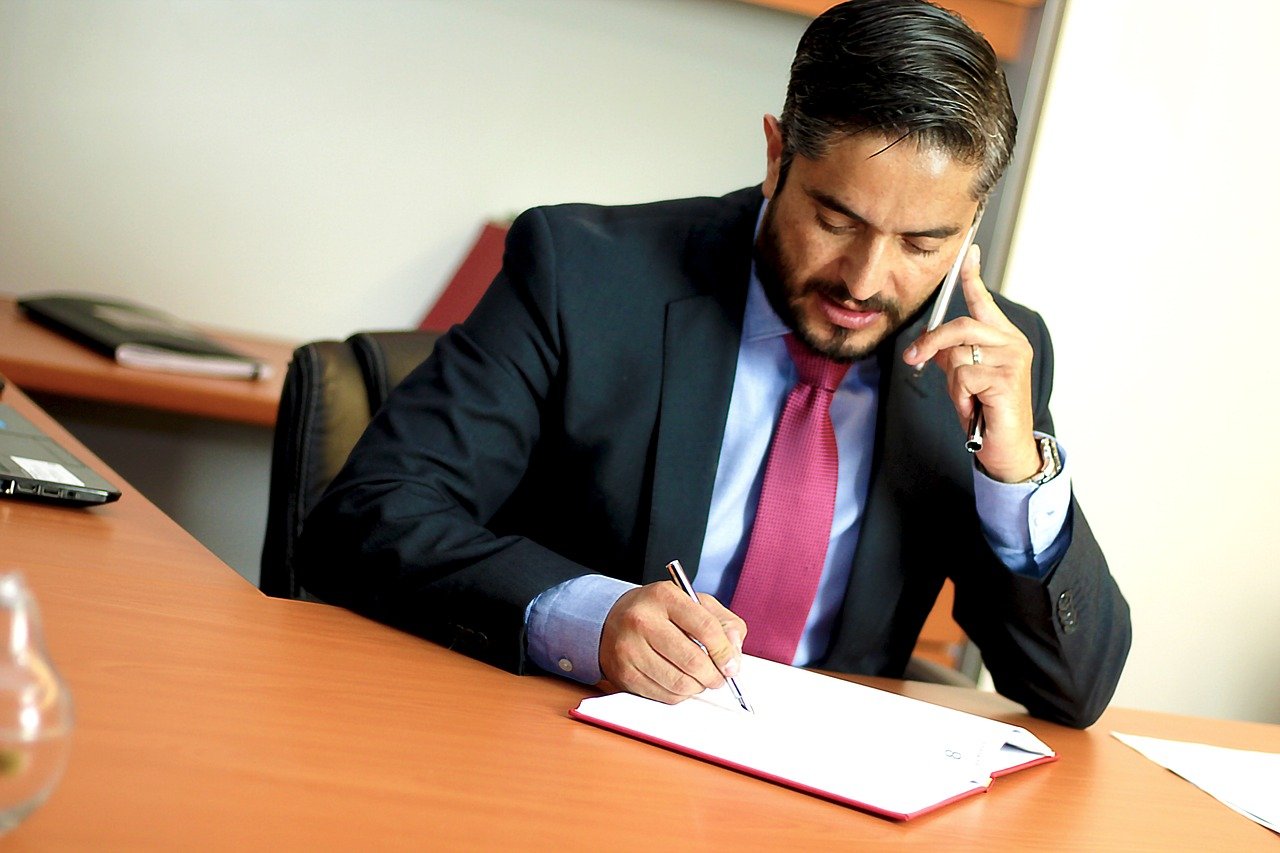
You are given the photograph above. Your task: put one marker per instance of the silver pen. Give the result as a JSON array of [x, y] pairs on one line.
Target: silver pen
[[977, 423], [682, 580]]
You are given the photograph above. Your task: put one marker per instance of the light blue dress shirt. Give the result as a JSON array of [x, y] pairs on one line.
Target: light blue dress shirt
[[1023, 523]]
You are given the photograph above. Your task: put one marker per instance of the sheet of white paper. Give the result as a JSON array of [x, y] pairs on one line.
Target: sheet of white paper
[[856, 743], [1246, 781], [54, 472]]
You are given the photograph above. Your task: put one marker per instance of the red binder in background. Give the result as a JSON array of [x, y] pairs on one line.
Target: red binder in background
[[470, 279]]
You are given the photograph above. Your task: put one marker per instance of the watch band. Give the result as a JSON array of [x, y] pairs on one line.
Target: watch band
[[1050, 461]]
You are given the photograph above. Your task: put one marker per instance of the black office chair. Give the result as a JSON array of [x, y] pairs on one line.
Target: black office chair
[[331, 390]]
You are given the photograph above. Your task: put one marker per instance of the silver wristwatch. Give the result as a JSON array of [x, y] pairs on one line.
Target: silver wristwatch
[[1050, 461]]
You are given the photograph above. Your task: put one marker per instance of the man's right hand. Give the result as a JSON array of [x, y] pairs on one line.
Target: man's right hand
[[645, 647]]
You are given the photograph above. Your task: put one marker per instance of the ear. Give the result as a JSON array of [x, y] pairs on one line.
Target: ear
[[773, 154]]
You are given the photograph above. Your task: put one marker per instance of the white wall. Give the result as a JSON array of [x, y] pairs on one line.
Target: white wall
[[1147, 237], [306, 168], [310, 168]]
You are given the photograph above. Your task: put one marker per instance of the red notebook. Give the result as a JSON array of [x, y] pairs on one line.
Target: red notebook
[[867, 748]]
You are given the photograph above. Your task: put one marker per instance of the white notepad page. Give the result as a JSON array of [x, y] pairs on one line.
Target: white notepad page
[[867, 747]]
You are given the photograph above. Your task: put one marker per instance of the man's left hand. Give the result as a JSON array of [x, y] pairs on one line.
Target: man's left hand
[[986, 358]]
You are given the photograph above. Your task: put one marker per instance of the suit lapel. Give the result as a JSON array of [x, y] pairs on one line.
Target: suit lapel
[[699, 360], [700, 354]]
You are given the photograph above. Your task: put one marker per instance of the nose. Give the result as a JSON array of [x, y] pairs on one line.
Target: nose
[[865, 269]]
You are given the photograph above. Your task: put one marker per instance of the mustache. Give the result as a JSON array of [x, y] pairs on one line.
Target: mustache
[[839, 294]]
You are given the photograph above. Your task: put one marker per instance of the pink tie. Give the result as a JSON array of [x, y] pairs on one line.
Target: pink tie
[[789, 537]]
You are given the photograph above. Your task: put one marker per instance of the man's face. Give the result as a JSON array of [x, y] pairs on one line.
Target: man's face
[[856, 241]]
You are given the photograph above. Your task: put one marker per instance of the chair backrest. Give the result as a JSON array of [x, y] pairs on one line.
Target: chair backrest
[[331, 390]]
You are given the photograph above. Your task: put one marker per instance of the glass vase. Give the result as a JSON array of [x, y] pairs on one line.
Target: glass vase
[[35, 707]]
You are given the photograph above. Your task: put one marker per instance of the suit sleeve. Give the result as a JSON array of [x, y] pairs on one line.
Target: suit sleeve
[[405, 532], [1056, 644]]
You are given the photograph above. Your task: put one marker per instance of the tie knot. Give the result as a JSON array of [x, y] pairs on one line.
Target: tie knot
[[814, 369]]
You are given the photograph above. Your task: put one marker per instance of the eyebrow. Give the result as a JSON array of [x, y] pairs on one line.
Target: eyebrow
[[831, 202]]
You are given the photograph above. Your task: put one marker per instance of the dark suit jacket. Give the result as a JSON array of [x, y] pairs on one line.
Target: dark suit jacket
[[573, 423]]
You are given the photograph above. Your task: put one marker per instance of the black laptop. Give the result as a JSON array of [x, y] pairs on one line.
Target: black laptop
[[33, 465]]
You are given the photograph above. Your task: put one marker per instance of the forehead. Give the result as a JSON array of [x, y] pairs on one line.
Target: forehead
[[900, 187]]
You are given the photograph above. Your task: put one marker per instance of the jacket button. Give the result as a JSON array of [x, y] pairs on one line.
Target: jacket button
[[1067, 613]]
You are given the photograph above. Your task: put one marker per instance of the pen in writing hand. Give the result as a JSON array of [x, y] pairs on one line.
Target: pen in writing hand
[[977, 423], [682, 580]]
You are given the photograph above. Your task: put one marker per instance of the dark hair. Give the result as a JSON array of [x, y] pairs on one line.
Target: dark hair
[[904, 69]]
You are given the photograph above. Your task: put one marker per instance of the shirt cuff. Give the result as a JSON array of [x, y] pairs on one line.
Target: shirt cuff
[[1026, 525], [564, 625]]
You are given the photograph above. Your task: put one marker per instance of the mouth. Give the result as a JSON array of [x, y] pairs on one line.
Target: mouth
[[845, 317]]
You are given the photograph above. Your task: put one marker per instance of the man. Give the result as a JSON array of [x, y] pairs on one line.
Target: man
[[626, 394]]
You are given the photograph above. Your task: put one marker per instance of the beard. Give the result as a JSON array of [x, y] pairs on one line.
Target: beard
[[787, 293]]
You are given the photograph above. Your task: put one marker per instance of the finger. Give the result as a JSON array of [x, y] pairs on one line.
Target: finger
[[710, 624], [635, 679], [982, 305], [1009, 451], [689, 669], [672, 625], [734, 628], [735, 631], [976, 361], [687, 647], [654, 664], [651, 689], [965, 385], [636, 631], [962, 332]]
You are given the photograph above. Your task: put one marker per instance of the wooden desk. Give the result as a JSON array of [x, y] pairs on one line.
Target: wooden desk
[[210, 716], [43, 361]]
